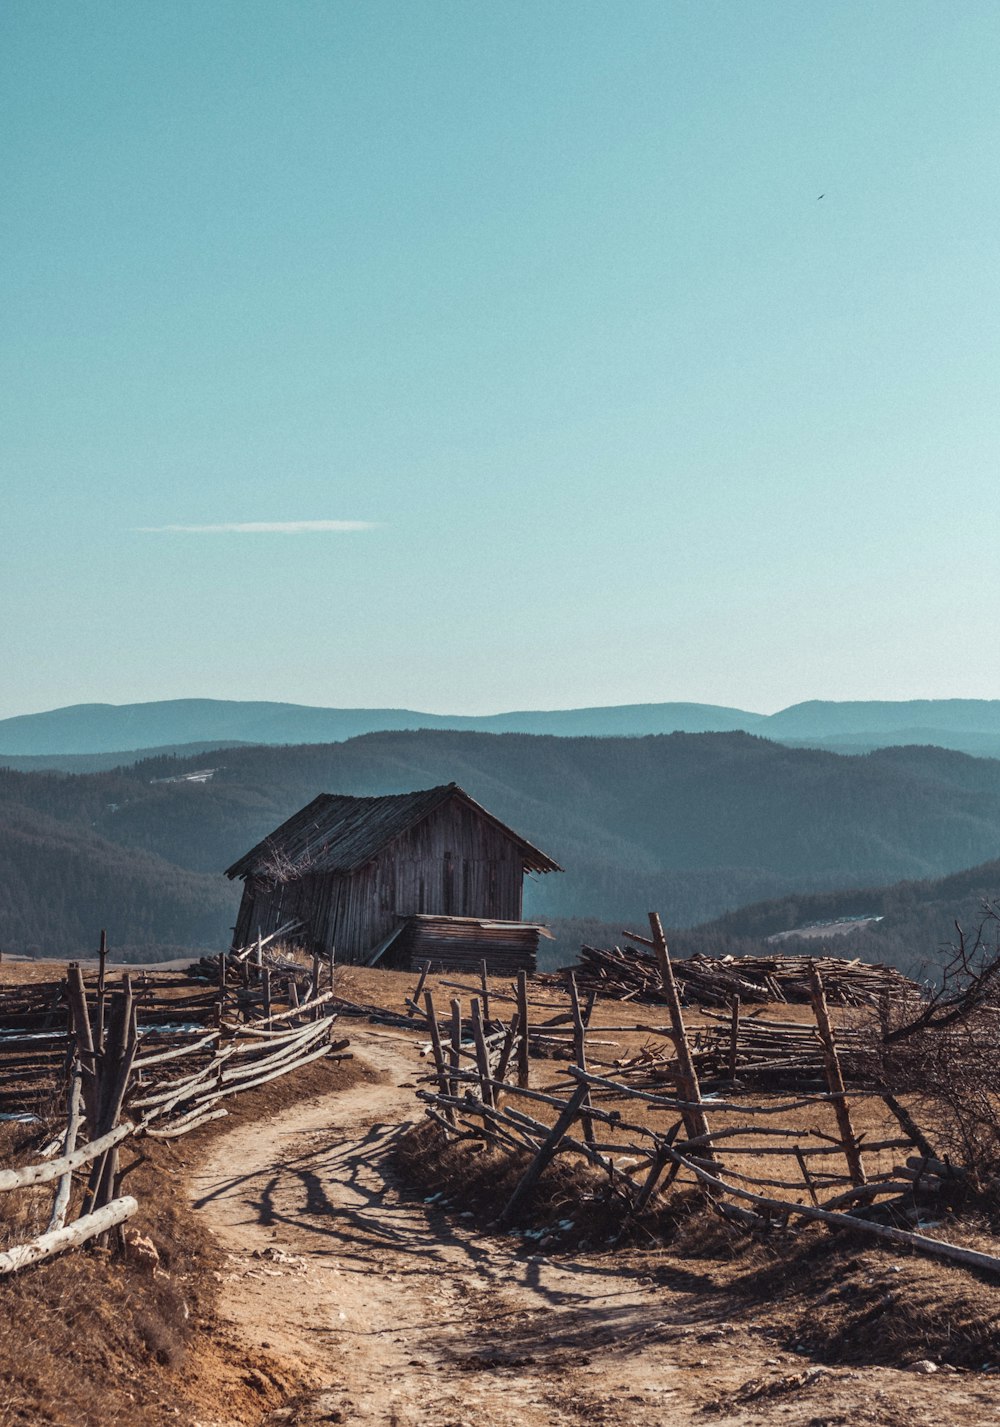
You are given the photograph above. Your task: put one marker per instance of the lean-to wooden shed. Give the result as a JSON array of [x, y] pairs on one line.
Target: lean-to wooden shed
[[352, 872]]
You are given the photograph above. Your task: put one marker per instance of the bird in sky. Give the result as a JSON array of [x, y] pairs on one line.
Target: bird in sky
[[822, 195]]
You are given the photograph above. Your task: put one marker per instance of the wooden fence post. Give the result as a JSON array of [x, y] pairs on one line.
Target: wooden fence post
[[116, 1068], [523, 1068], [580, 1054], [414, 1000], [102, 963], [734, 1037], [547, 1149], [444, 1084], [222, 988], [83, 1034], [506, 1050], [456, 1043], [482, 1054], [695, 1121], [807, 1178], [485, 992], [314, 983], [65, 1185], [835, 1078]]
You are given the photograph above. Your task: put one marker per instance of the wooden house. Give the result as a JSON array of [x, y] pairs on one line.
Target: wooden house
[[398, 879]]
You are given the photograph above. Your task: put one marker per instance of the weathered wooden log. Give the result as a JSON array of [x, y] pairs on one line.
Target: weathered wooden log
[[116, 1067], [543, 1157], [30, 1174], [506, 1049], [83, 1031], [734, 1037], [439, 1063], [485, 992], [482, 1053], [835, 1079], [672, 1102], [456, 1044], [210, 1098], [523, 1066], [695, 1119], [70, 1237], [63, 1188], [271, 1050], [287, 1054], [580, 1054], [252, 1027], [413, 1000], [143, 1062], [909, 1124], [189, 1122]]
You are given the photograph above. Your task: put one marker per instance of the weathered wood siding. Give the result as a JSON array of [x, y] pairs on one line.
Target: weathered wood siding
[[453, 863], [264, 909]]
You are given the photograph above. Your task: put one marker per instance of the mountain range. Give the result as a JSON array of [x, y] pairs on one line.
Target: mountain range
[[76, 736]]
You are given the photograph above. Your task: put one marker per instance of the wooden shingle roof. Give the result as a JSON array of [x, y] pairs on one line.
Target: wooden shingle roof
[[336, 833]]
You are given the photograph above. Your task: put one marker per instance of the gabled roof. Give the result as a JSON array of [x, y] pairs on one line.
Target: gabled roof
[[337, 833]]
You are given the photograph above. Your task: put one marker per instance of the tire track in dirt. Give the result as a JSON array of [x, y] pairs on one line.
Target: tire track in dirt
[[387, 1311]]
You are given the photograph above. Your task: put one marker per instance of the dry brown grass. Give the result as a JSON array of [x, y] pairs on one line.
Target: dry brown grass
[[846, 1302], [572, 1205], [94, 1337]]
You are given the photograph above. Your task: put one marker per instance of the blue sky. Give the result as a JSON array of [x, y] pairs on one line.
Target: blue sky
[[539, 301]]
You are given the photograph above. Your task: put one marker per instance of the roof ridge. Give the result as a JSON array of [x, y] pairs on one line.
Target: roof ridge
[[301, 843]]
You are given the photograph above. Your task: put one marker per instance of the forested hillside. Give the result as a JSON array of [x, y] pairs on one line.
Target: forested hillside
[[915, 921], [61, 882], [695, 825]]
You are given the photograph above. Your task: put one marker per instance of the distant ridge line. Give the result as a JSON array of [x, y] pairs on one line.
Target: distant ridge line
[[152, 728]]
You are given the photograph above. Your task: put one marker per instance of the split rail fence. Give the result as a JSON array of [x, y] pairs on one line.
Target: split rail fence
[[762, 1159], [143, 1055]]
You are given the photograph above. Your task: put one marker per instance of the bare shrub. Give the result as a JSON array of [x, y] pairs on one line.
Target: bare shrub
[[277, 868], [943, 1055]]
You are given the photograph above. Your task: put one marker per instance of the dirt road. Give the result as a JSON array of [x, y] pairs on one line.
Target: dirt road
[[389, 1312]]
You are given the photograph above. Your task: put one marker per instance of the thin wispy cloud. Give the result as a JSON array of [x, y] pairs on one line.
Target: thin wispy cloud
[[263, 527]]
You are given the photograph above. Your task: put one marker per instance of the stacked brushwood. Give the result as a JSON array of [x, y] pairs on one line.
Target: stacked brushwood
[[631, 974], [134, 1057], [768, 1054], [643, 1140]]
